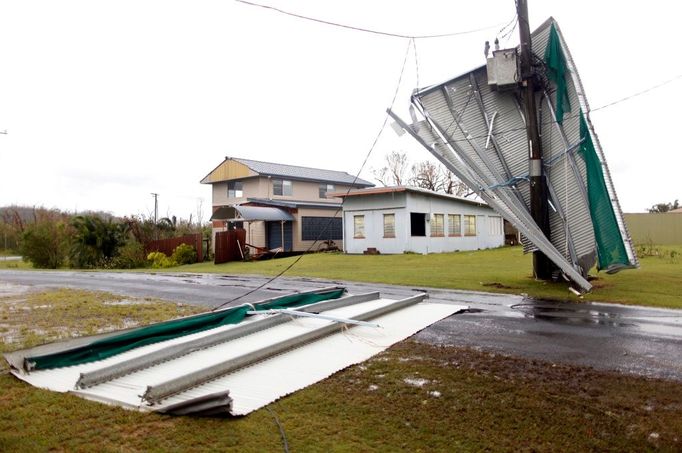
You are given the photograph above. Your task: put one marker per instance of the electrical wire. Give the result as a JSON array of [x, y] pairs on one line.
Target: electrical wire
[[639, 93], [282, 433], [362, 29], [357, 176]]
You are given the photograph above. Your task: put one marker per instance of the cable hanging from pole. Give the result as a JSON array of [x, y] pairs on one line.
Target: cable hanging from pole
[[362, 29]]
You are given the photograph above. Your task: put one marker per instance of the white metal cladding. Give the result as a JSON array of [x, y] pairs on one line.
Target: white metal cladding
[[257, 385]]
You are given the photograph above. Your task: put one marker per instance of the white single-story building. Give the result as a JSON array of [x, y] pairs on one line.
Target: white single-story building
[[409, 219]]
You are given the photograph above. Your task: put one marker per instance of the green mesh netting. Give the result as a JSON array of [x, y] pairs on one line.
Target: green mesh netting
[[610, 247], [110, 346], [556, 70]]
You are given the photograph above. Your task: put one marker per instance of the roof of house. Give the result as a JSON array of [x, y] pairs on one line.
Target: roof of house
[[294, 172], [398, 189]]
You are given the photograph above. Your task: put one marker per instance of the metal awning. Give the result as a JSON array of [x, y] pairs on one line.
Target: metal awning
[[251, 213]]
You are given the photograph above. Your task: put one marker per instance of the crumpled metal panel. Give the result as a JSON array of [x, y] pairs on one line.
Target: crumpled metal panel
[[493, 158]]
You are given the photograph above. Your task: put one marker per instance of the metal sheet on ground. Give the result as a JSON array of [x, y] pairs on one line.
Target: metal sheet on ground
[[260, 384]]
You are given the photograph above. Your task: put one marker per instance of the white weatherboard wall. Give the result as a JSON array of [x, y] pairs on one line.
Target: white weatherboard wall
[[489, 228]]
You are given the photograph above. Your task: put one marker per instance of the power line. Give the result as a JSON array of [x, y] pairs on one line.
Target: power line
[[350, 187], [362, 29], [679, 76]]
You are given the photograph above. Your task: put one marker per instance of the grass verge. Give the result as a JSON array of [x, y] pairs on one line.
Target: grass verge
[[504, 270], [413, 397]]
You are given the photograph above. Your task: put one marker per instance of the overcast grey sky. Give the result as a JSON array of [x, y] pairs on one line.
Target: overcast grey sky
[[105, 102]]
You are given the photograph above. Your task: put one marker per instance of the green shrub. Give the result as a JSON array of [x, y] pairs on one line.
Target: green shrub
[[159, 260], [184, 254], [130, 256], [44, 244], [94, 241]]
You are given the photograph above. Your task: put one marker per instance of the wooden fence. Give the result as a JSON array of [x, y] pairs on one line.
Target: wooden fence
[[168, 245], [228, 245]]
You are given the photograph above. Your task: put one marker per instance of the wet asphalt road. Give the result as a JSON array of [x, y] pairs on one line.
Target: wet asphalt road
[[637, 340]]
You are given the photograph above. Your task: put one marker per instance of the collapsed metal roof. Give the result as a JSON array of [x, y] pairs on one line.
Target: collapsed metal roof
[[231, 368], [478, 133]]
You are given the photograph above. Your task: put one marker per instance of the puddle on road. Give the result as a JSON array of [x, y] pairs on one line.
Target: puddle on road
[[572, 314]]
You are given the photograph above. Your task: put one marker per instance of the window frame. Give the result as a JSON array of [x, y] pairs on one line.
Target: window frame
[[391, 233], [312, 227], [234, 189], [359, 233], [467, 224], [437, 227], [451, 231], [282, 185], [325, 188]]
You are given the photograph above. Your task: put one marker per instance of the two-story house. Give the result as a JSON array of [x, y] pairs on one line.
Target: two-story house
[[279, 205]]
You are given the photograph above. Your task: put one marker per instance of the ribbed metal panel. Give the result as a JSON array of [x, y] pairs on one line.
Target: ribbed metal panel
[[259, 384], [460, 112]]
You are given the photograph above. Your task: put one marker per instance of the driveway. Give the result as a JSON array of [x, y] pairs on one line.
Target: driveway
[[637, 340]]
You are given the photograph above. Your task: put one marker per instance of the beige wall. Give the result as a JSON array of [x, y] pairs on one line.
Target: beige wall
[[255, 233], [660, 229], [261, 187]]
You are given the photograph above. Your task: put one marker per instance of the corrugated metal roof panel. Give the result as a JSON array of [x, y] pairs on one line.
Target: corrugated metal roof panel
[[306, 173], [252, 387], [461, 111]]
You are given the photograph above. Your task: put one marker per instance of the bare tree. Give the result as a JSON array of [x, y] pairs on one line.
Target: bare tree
[[395, 171], [452, 185], [431, 176], [427, 175]]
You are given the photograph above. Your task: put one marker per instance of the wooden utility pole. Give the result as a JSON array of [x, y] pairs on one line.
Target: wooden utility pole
[[542, 266]]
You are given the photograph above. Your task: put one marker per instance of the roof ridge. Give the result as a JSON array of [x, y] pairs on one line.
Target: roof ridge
[[288, 165]]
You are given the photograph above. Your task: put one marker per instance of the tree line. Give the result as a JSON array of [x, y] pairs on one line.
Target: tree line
[[50, 238]]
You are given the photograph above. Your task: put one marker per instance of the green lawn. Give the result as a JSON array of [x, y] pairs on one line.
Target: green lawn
[[14, 264], [505, 270], [468, 400]]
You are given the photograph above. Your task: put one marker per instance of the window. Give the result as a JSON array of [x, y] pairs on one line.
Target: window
[[389, 225], [359, 226], [235, 189], [325, 188], [495, 225], [469, 225], [282, 187], [454, 225], [417, 224], [322, 228], [437, 225]]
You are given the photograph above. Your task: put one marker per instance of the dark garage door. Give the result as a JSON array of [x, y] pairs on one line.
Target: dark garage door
[[274, 230]]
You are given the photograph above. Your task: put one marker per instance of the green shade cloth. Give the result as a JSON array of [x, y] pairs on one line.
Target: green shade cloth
[[117, 344], [556, 70], [610, 248]]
